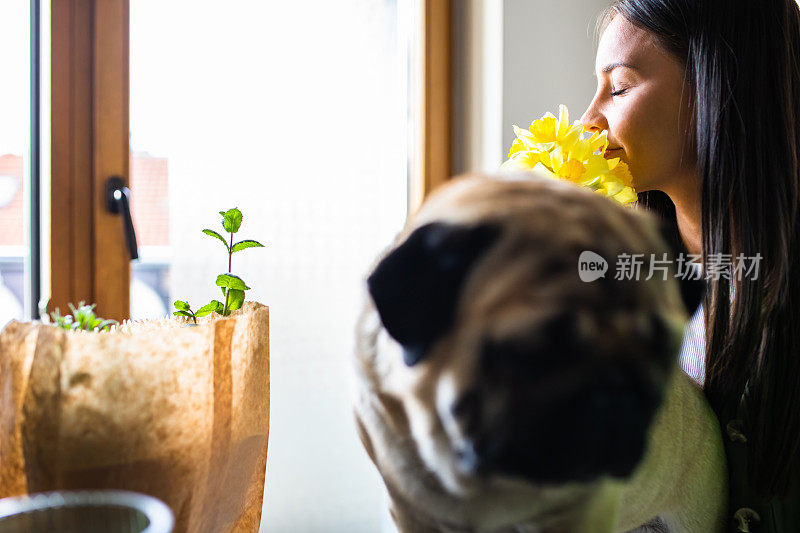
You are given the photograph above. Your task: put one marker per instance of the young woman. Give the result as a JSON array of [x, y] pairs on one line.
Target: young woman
[[702, 99]]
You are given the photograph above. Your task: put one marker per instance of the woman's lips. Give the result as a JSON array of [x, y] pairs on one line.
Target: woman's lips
[[612, 151]]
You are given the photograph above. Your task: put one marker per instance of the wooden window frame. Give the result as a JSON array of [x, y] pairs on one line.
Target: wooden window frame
[[89, 260], [431, 98]]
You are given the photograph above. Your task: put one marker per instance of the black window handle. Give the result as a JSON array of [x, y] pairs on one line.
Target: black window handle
[[118, 201]]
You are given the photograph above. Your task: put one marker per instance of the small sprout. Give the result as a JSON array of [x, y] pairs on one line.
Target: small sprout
[[82, 318], [232, 286], [184, 309]]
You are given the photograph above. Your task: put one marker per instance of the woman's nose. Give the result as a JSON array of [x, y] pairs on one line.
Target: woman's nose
[[593, 120]]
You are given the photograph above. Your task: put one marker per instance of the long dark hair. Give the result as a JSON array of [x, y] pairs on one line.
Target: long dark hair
[[743, 61]]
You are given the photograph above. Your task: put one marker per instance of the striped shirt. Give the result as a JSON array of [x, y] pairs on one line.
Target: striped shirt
[[693, 349]]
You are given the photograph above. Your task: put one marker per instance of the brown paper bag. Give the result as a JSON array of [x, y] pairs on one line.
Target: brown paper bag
[[180, 413]]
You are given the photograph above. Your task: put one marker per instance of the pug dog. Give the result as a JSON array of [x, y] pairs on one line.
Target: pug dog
[[497, 391]]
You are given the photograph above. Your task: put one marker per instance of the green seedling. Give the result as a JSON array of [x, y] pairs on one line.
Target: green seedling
[[184, 309], [82, 318], [232, 286]]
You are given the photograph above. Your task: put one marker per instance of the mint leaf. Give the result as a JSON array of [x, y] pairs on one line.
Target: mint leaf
[[232, 282], [232, 220], [181, 313], [235, 299], [212, 307], [183, 306], [241, 245], [212, 233]]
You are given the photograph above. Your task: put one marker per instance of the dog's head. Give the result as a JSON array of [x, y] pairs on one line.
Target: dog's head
[[508, 364]]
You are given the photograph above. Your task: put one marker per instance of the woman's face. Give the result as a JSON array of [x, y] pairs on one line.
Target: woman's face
[[643, 102]]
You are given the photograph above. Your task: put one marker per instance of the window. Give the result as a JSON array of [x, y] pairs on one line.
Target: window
[[298, 114]]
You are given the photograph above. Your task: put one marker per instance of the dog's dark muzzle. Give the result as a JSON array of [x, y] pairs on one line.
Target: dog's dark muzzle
[[574, 425]]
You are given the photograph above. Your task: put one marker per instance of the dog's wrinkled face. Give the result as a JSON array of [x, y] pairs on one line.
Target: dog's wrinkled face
[[508, 366]]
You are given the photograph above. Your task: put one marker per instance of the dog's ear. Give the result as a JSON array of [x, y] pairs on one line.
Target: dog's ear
[[416, 287], [692, 286]]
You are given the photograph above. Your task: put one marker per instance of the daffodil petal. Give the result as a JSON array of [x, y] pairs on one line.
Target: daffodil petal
[[599, 141], [563, 121], [545, 147], [525, 137], [626, 196], [580, 150], [596, 165], [623, 173], [572, 136], [516, 146], [520, 162], [612, 187], [592, 183], [544, 171], [544, 129]]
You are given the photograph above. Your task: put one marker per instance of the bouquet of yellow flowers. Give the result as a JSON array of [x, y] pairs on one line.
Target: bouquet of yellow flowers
[[553, 147]]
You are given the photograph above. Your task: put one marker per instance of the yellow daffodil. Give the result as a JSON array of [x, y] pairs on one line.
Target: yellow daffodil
[[557, 149], [525, 160], [550, 129]]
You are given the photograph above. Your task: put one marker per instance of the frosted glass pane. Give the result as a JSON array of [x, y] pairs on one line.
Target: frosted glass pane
[[14, 159]]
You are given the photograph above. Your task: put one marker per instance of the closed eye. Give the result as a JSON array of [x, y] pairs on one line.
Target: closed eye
[[619, 92]]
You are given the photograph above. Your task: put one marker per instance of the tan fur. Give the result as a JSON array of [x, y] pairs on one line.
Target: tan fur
[[400, 411]]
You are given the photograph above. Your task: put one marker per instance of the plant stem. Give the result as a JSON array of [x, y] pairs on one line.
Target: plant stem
[[230, 254], [228, 289]]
